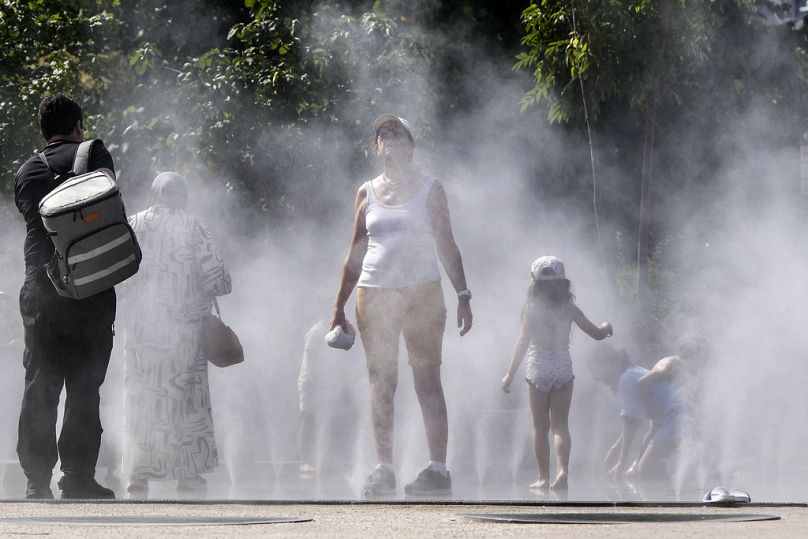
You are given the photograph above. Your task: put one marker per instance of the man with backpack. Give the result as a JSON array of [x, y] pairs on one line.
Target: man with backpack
[[67, 341]]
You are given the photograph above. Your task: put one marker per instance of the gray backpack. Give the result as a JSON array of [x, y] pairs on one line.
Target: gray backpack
[[85, 218]]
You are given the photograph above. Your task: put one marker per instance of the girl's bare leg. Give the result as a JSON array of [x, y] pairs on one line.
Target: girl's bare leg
[[560, 400], [540, 408]]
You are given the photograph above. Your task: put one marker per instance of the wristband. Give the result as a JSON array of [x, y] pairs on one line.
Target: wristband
[[465, 292]]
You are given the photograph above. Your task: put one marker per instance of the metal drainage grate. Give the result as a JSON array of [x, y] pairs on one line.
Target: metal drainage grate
[[613, 518], [150, 521]]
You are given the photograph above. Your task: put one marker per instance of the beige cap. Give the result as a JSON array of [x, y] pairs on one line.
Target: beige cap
[[384, 118]]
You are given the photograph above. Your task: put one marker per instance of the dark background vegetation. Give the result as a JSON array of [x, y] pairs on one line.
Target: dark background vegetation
[[243, 95]]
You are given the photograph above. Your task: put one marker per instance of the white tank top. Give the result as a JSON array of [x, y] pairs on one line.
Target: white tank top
[[401, 245]]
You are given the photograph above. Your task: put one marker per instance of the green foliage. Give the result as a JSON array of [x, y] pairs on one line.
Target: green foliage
[[609, 46], [243, 96], [603, 43], [248, 101], [264, 101], [235, 109], [49, 46], [284, 73], [712, 62]]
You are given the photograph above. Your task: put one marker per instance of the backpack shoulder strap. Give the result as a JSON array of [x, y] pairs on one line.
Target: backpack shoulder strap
[[82, 157], [45, 161]]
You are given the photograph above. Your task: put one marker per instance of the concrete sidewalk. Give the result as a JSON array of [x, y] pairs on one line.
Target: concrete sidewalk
[[386, 520]]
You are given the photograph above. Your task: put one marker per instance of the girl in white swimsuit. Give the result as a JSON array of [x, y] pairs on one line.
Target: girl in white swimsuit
[[547, 319]]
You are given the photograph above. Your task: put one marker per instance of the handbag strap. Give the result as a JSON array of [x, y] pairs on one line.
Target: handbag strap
[[216, 306], [215, 303]]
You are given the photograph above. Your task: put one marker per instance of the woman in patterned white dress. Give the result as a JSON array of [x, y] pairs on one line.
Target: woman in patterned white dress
[[168, 421], [547, 320]]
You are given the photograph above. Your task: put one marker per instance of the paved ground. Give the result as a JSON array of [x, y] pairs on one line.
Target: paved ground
[[387, 520]]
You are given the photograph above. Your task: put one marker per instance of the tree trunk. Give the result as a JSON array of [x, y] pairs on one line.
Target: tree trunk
[[594, 164], [643, 235], [654, 94], [594, 157]]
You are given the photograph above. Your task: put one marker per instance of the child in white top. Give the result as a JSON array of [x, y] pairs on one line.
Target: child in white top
[[547, 319]]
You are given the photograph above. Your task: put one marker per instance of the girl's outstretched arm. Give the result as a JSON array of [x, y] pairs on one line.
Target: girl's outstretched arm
[[519, 350], [596, 332]]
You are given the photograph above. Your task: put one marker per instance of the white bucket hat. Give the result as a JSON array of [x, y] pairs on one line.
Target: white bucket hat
[[551, 262]]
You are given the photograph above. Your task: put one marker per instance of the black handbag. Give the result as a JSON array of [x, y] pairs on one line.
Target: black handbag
[[220, 344]]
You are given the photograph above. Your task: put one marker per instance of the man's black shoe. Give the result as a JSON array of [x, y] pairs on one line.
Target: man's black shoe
[[430, 483], [38, 490], [83, 488]]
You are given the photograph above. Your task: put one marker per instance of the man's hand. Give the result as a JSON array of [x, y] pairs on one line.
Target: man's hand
[[464, 316]]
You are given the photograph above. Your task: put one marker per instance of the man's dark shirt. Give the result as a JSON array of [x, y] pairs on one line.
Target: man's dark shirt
[[33, 181]]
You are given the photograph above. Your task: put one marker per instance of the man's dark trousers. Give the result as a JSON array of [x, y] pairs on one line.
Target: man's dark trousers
[[67, 344]]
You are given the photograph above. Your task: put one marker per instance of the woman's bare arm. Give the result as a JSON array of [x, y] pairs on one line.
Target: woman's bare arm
[[449, 253], [352, 267]]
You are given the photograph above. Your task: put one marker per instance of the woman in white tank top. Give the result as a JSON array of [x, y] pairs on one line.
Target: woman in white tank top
[[401, 229]]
